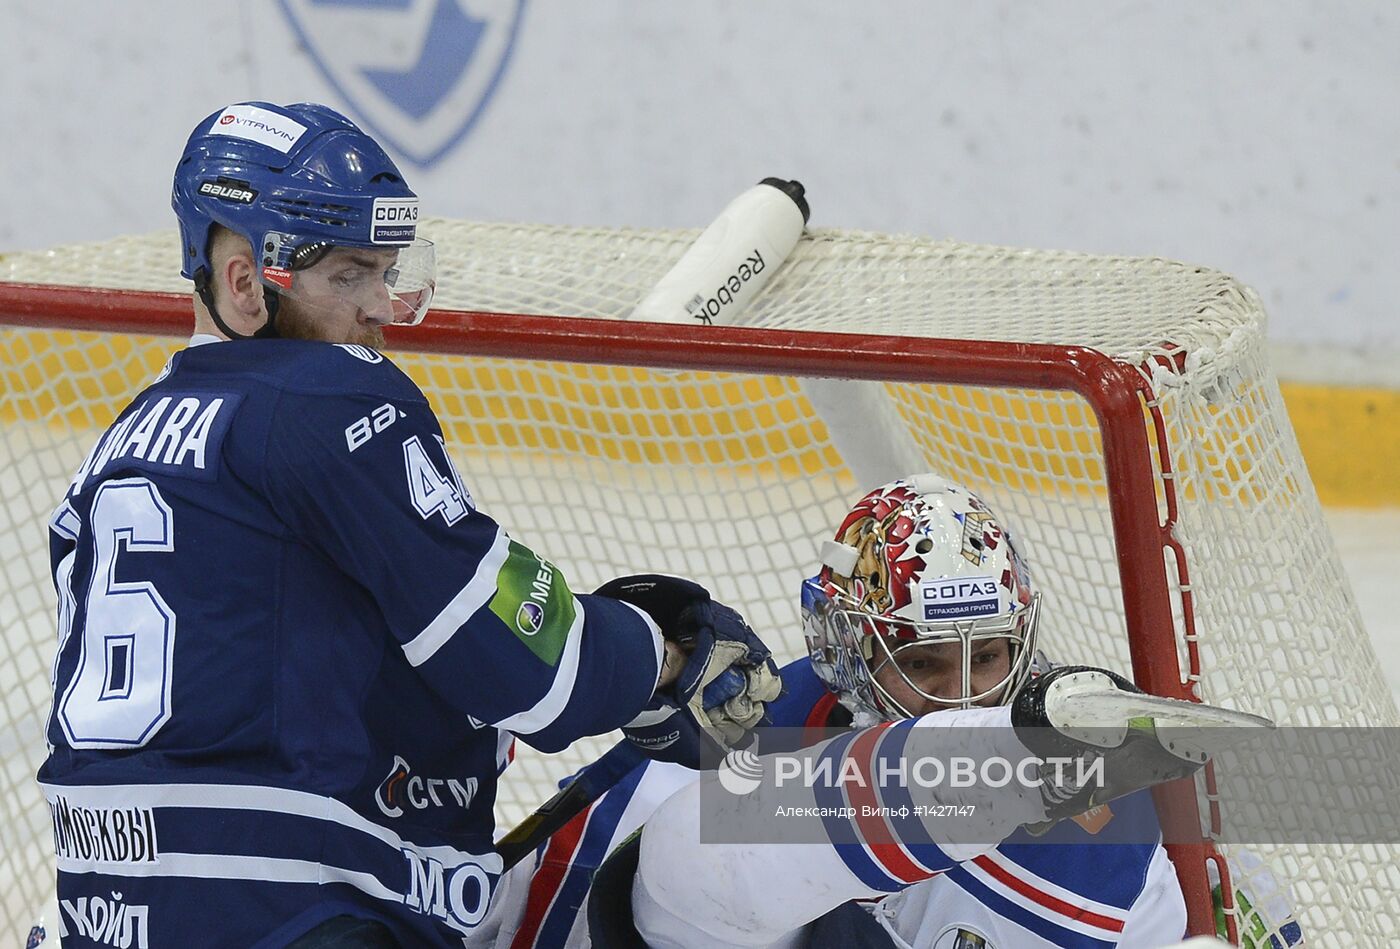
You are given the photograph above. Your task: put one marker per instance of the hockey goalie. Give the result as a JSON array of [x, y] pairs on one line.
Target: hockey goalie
[[899, 660]]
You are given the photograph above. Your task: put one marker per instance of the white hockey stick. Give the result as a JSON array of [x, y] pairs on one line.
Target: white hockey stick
[[1091, 709]]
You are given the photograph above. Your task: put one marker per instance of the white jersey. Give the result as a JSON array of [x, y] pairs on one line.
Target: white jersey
[[1020, 895], [1074, 887], [941, 914]]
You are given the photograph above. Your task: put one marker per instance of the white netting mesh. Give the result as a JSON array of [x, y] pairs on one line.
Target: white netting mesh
[[734, 480]]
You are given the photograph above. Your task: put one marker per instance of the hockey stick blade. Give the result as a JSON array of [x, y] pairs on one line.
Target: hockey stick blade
[[1192, 731]]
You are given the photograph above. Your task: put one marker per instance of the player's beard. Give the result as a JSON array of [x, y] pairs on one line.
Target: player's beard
[[295, 321]]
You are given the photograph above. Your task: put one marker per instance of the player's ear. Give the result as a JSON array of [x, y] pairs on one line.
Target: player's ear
[[241, 285]]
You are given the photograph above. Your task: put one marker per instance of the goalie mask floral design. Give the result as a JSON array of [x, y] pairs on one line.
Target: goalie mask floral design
[[918, 561]]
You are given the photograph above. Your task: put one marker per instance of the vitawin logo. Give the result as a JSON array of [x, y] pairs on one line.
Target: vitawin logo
[[416, 73]]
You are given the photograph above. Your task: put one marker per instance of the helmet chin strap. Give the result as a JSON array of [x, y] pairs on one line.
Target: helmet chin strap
[[271, 300]]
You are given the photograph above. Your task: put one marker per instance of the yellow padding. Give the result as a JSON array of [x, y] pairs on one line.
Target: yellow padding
[[1041, 442], [628, 415], [80, 379], [1351, 440]]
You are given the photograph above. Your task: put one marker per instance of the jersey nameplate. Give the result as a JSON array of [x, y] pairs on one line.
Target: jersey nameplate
[[171, 433]]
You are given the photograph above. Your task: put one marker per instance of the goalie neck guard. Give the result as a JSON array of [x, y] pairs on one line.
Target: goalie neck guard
[[919, 561], [297, 181]]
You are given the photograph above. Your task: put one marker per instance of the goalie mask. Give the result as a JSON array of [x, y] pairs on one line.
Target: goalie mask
[[305, 187], [917, 563]]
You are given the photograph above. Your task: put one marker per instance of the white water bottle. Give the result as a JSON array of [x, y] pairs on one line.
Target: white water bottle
[[733, 259]]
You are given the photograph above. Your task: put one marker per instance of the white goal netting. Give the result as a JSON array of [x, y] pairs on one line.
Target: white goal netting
[[734, 479]]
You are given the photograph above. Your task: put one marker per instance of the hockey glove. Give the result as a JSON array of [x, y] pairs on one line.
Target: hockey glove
[[719, 696]]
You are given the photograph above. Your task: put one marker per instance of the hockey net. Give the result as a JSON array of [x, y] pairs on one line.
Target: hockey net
[[1119, 413]]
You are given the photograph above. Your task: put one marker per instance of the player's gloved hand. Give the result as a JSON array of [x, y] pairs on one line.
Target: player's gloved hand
[[718, 697], [1085, 714]]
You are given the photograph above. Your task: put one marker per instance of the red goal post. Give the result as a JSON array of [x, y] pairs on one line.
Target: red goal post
[[1131, 433]]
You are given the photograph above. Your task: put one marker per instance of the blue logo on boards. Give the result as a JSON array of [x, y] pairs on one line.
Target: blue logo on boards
[[416, 73]]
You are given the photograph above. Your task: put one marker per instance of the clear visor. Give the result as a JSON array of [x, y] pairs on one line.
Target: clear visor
[[375, 285], [876, 660]]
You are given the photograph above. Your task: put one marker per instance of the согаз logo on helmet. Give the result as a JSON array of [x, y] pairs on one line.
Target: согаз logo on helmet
[[416, 73], [393, 220]]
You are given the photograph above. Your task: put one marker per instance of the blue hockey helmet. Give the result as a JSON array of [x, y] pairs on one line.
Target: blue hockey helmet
[[296, 181]]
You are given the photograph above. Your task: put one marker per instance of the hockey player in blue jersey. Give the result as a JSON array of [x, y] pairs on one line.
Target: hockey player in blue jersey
[[876, 657], [278, 598]]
